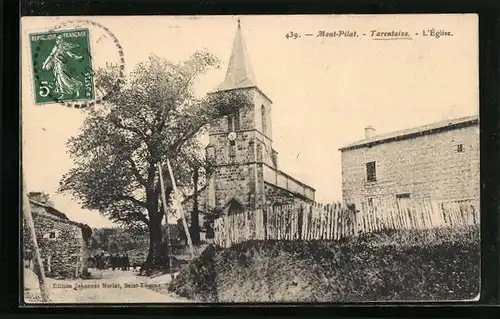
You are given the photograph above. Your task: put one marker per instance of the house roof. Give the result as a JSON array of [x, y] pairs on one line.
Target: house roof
[[39, 207], [49, 209], [414, 132]]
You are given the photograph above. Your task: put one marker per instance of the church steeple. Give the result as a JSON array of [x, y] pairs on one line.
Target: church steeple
[[239, 70]]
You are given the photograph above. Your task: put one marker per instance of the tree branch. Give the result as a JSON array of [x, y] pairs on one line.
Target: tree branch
[[131, 199], [186, 136], [142, 218], [136, 172], [118, 124], [180, 92]]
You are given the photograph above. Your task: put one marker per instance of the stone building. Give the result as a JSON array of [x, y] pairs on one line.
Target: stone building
[[63, 243], [439, 161], [246, 174]]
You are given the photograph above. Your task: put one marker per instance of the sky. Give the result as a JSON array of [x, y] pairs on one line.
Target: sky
[[324, 90]]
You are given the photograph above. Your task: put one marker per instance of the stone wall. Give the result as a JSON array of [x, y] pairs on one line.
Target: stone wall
[[249, 147], [279, 196], [247, 118], [427, 166], [236, 181], [61, 245], [239, 172], [262, 102], [250, 116], [285, 181]]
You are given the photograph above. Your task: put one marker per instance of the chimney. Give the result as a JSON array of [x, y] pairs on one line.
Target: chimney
[[369, 132]]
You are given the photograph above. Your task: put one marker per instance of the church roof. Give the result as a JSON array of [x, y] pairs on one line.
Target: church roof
[[239, 73]]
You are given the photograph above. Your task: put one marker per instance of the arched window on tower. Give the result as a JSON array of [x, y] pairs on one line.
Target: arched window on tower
[[233, 121], [230, 123], [264, 119], [236, 121]]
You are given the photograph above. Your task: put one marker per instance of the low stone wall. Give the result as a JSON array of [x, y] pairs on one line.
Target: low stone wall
[[61, 246]]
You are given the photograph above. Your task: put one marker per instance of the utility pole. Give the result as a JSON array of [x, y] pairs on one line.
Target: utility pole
[[164, 201], [179, 208], [28, 219], [195, 215]]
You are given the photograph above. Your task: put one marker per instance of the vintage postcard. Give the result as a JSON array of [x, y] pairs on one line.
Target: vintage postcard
[[252, 158]]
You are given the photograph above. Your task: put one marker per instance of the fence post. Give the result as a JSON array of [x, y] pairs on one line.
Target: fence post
[[278, 223], [317, 222], [336, 214], [288, 227], [354, 216], [247, 226], [38, 263], [309, 222], [265, 222], [328, 211], [300, 221]]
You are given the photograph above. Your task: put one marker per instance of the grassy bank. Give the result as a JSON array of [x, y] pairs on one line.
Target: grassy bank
[[441, 264]]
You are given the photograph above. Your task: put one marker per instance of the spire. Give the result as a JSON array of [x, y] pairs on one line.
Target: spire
[[239, 70]]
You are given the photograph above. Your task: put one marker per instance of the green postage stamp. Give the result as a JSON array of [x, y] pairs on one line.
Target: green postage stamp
[[62, 66]]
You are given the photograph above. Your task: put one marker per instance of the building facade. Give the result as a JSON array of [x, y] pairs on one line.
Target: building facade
[[439, 161], [63, 243], [246, 174]]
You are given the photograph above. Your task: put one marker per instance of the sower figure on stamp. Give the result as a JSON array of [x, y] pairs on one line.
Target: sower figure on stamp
[[57, 61]]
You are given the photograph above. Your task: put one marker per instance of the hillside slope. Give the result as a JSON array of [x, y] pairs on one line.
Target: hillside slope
[[438, 264]]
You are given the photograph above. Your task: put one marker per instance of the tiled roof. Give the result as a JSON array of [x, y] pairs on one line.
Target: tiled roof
[[412, 132], [39, 207]]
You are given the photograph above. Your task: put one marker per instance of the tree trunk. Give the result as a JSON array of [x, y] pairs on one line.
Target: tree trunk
[[158, 250], [195, 218], [157, 255]]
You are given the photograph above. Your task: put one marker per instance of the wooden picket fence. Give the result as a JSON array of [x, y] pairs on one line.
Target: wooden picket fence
[[288, 222], [390, 213], [336, 221]]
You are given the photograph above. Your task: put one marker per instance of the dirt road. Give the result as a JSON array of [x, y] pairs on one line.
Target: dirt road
[[104, 286]]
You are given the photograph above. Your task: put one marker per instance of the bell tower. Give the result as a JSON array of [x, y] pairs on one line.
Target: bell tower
[[240, 143]]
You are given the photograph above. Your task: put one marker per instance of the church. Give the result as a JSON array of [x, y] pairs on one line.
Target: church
[[245, 175]]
